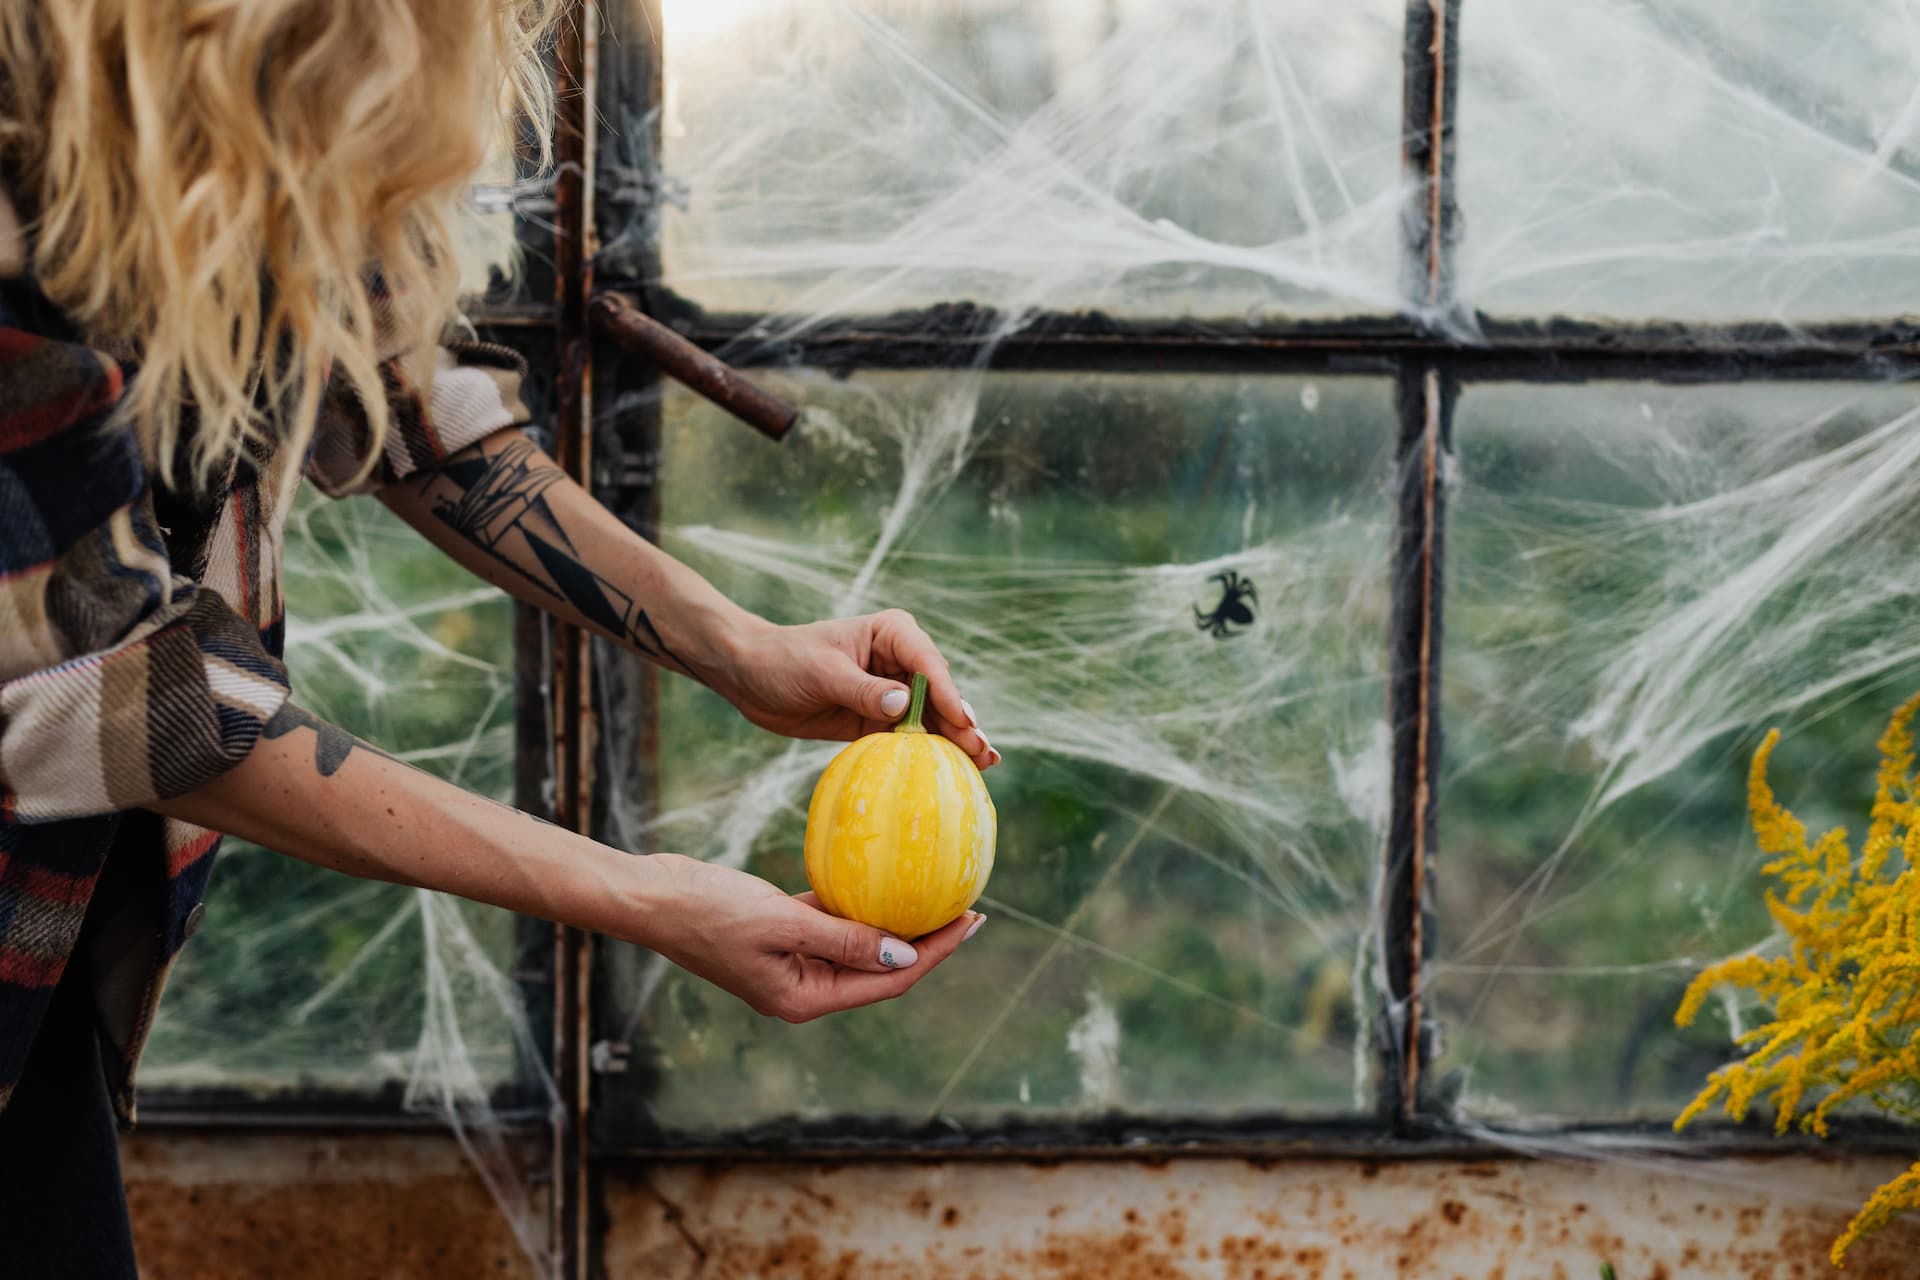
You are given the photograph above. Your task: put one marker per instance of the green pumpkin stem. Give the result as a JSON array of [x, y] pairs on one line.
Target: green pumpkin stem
[[916, 708]]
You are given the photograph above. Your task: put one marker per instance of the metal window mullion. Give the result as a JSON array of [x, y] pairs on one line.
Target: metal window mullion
[[628, 431], [1425, 400]]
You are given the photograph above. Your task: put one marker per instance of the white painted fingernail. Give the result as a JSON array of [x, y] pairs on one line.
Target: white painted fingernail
[[967, 707], [896, 954], [973, 928], [983, 740], [894, 704]]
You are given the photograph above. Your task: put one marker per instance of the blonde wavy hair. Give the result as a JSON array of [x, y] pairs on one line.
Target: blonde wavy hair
[[254, 196]]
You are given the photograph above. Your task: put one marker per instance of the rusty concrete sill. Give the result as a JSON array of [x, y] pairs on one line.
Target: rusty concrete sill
[[240, 1206], [1234, 1220], [215, 1205]]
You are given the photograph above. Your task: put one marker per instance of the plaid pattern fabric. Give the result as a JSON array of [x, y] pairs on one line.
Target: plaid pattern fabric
[[139, 662], [473, 391]]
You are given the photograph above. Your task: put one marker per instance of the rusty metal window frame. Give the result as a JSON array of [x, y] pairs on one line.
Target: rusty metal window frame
[[611, 57], [1429, 371]]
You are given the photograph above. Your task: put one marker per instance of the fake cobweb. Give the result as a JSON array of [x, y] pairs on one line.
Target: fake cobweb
[[1640, 578], [303, 983]]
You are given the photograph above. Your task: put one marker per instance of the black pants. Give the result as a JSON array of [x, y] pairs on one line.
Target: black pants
[[63, 1207]]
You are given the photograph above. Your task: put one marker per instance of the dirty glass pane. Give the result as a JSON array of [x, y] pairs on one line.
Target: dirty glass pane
[[301, 978], [1139, 157], [1643, 580], [1190, 817], [1691, 159]]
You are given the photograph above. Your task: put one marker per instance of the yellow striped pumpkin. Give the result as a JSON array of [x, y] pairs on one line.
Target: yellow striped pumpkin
[[900, 833]]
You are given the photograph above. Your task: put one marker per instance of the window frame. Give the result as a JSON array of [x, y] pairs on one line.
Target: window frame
[[1430, 369]]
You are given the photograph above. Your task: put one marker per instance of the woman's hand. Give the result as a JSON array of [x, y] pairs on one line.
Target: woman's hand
[[843, 679], [782, 955]]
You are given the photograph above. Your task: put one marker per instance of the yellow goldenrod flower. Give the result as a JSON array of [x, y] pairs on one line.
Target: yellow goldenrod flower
[[1845, 997], [1900, 1196]]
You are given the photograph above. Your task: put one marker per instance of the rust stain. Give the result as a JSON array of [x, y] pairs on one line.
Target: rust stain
[[676, 1218], [1225, 1220], [820, 1198], [806, 1256], [299, 1207], [1606, 1244], [802, 1256]]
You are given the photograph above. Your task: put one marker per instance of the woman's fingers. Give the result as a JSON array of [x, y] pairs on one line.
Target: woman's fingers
[[862, 964], [902, 642], [836, 990], [853, 945], [971, 741], [782, 954], [876, 698], [897, 637]]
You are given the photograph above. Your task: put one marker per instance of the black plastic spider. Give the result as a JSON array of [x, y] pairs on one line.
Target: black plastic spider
[[1235, 608]]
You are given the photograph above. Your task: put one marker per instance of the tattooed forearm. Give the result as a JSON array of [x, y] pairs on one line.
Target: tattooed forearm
[[332, 744], [490, 495], [499, 504]]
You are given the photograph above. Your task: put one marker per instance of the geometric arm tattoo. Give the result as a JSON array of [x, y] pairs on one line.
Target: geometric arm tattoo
[[501, 501], [332, 743]]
